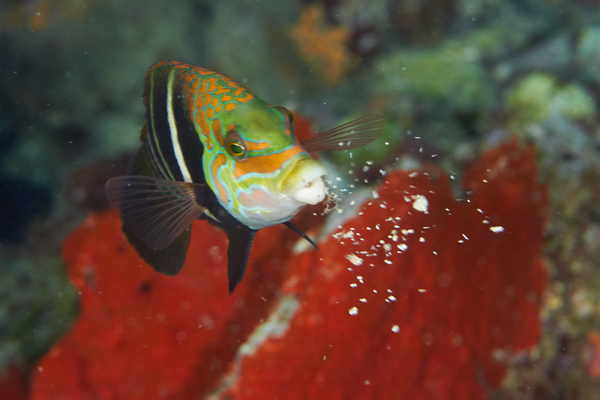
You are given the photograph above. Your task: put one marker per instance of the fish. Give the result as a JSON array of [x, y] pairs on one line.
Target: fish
[[211, 149]]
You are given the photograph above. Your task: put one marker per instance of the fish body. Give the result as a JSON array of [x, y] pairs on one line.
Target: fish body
[[211, 149]]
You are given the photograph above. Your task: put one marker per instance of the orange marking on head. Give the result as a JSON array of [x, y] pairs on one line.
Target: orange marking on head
[[265, 164], [219, 160], [219, 108], [212, 86], [229, 106], [238, 91], [214, 101], [257, 146], [223, 90], [226, 98], [216, 128], [209, 112], [201, 122], [247, 97], [230, 127], [193, 84]]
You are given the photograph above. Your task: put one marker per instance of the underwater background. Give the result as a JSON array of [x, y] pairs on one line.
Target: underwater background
[[459, 258]]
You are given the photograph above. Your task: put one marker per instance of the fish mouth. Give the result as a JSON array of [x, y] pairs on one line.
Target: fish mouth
[[304, 183]]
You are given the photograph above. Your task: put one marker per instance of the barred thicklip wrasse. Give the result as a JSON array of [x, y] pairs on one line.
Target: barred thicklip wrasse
[[213, 150]]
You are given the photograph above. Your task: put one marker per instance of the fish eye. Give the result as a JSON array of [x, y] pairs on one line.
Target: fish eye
[[236, 149], [235, 145]]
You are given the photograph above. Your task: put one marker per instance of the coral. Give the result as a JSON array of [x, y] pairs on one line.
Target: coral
[[39, 14], [13, 384], [414, 299], [538, 96], [144, 335], [418, 296], [323, 47]]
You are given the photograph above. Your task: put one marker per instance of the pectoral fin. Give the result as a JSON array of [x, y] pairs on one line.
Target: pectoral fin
[[240, 243], [154, 210], [348, 136], [168, 260], [157, 215]]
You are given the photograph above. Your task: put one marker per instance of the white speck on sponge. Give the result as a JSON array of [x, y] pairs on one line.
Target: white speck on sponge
[[354, 259], [420, 203]]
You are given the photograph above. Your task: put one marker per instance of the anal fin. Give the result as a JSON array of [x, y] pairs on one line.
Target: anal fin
[[240, 243]]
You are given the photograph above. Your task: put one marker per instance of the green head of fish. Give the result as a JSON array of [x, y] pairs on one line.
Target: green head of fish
[[255, 166]]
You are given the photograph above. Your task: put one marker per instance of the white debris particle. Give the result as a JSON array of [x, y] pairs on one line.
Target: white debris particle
[[497, 229], [395, 329], [480, 210], [382, 206], [435, 253], [365, 168], [421, 239], [392, 298], [375, 291], [370, 162], [402, 246], [354, 259], [420, 203], [360, 279], [353, 285], [395, 237], [465, 236], [422, 290], [378, 227], [375, 194], [382, 172], [388, 262], [461, 241], [413, 174], [407, 231], [353, 311], [484, 180], [485, 221], [363, 300], [387, 247], [367, 382]]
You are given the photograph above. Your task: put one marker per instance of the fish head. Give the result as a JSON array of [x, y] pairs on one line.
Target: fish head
[[260, 173]]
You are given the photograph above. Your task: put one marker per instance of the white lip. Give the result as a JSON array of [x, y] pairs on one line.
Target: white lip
[[312, 193], [305, 183]]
